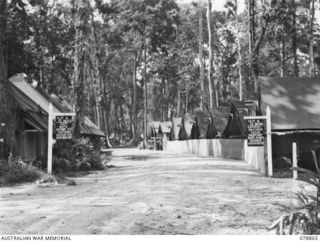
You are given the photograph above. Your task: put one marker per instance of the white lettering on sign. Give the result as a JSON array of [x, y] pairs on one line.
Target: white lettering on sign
[[64, 127], [255, 129]]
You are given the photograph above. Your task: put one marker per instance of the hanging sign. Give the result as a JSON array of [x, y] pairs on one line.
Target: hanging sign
[[255, 128], [64, 127]]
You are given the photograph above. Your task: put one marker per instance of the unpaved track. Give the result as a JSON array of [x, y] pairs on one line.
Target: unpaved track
[[148, 192]]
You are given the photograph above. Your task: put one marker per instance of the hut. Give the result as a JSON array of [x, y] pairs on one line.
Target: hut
[[205, 126], [295, 115]]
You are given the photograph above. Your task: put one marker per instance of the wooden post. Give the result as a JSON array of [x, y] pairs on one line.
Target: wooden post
[[50, 139], [294, 160], [269, 142]]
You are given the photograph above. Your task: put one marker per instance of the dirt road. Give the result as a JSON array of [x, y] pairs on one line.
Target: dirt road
[[148, 192]]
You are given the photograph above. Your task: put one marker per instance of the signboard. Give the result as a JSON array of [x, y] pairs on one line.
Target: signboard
[[64, 127], [255, 129]]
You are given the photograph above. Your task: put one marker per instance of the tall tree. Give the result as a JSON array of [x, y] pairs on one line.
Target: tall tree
[[7, 124], [294, 38], [211, 98], [82, 8], [311, 54], [202, 94]]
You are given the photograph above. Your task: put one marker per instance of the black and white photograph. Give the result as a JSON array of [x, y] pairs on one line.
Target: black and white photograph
[[164, 118]]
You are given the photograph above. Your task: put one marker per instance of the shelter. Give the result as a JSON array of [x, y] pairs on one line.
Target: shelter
[[165, 131], [236, 126], [205, 127], [30, 111], [187, 130], [153, 129], [176, 126], [165, 127], [295, 114], [220, 117]]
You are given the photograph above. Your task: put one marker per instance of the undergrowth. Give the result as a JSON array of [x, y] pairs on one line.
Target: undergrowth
[[18, 172], [303, 218]]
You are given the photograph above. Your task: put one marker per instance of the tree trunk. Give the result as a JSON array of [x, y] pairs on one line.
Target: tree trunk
[[211, 101], [282, 55], [187, 101], [145, 92], [252, 41], [294, 39], [239, 52], [81, 7], [201, 58], [311, 56], [134, 101], [102, 89], [178, 101], [7, 127], [283, 44]]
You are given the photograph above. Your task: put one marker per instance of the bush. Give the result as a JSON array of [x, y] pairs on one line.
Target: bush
[[17, 172], [78, 155], [304, 218]]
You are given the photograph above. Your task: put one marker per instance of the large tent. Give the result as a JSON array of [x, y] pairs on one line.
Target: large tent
[[236, 126], [153, 129], [205, 125], [176, 126], [295, 114], [30, 109], [220, 117], [165, 127], [187, 131]]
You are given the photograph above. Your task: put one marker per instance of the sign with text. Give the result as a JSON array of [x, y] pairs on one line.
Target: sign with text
[[255, 128], [64, 127]]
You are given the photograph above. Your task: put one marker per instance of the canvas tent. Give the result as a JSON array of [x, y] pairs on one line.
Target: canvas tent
[[165, 127], [236, 126], [165, 131], [295, 114], [205, 127], [187, 131], [175, 130], [220, 117], [153, 129], [30, 109]]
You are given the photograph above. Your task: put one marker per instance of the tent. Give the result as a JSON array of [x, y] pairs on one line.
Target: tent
[[187, 131], [205, 125], [237, 125], [30, 111], [220, 118], [295, 114], [175, 130], [165, 127], [153, 129]]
